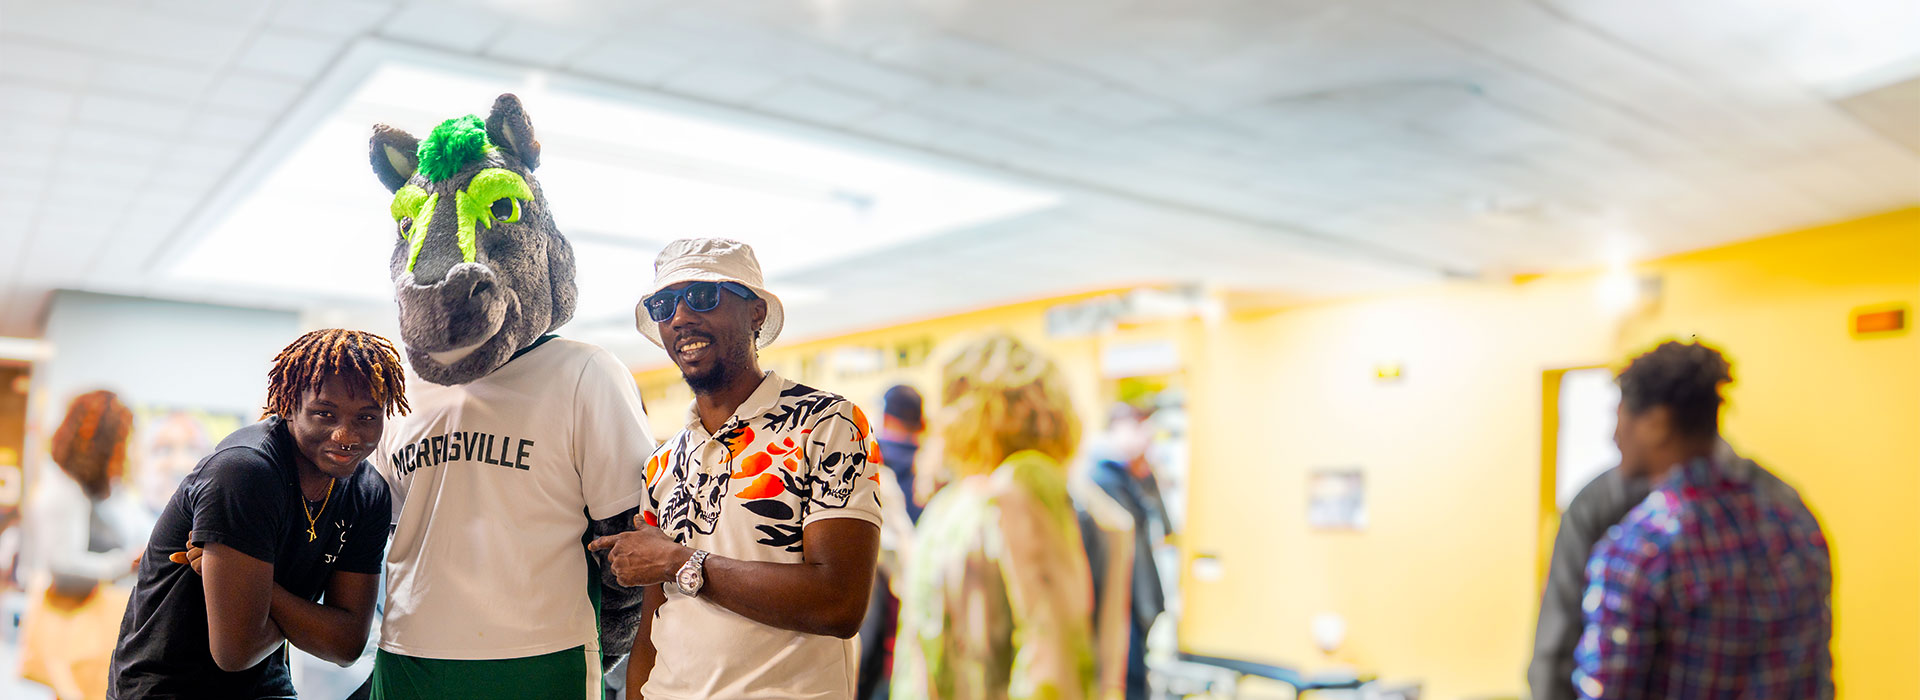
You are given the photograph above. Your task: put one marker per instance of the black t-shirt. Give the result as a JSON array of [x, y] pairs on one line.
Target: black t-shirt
[[245, 495]]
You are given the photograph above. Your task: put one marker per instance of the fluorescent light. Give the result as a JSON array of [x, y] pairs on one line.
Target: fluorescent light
[[622, 179], [1841, 47], [24, 349]]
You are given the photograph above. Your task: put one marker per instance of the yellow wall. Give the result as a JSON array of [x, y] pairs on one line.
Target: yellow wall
[[1442, 584]]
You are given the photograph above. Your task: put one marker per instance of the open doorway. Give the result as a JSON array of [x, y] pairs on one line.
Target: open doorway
[[1576, 443]]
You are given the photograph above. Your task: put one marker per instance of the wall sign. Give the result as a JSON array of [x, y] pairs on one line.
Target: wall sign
[[1337, 500]]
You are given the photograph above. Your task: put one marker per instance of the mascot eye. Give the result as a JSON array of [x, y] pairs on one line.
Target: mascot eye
[[406, 226], [506, 210]]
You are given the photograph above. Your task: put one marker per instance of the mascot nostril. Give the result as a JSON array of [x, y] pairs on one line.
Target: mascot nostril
[[519, 441]]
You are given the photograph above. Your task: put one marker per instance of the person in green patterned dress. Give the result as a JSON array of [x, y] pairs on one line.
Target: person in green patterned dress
[[998, 598]]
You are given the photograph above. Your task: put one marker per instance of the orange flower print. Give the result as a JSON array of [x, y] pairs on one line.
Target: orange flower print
[[652, 519], [653, 465], [873, 452], [767, 486], [753, 465], [860, 427], [738, 441]]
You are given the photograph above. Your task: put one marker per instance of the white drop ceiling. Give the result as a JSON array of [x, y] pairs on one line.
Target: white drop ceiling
[[1307, 148]]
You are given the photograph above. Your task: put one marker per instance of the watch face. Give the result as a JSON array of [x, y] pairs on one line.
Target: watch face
[[688, 579]]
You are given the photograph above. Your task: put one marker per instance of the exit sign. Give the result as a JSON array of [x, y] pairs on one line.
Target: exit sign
[[1879, 321]]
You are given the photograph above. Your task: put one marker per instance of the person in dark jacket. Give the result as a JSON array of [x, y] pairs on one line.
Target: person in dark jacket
[[1601, 504], [1120, 468]]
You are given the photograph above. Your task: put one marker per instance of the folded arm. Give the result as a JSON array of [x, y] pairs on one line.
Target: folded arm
[[239, 590], [336, 630]]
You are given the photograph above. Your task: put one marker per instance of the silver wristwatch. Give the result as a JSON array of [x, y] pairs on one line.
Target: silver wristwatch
[[692, 575]]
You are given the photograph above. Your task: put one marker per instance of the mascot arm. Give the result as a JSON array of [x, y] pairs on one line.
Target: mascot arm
[[619, 605]]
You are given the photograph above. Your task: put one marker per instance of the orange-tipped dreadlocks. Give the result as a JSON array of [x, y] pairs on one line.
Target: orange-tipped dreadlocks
[[92, 439], [364, 359]]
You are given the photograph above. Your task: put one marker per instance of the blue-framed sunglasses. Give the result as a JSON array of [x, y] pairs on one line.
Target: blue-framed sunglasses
[[700, 296]]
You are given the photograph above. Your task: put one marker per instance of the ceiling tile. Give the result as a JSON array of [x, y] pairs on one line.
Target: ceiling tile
[[161, 205], [1122, 107], [204, 156], [254, 94], [127, 256], [724, 82], [235, 12], [127, 31], [153, 116], [28, 162], [93, 141], [950, 59], [974, 105], [83, 179], [985, 146], [36, 101], [460, 28], [629, 63], [341, 18], [146, 78], [857, 74], [28, 183], [93, 216], [906, 125], [815, 102], [291, 55], [539, 44], [44, 64], [32, 136], [226, 127], [1062, 130]]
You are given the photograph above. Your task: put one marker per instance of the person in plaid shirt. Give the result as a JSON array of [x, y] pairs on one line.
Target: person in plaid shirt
[[1718, 584]]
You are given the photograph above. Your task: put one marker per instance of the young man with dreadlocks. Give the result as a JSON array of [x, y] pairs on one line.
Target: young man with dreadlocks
[[283, 511]]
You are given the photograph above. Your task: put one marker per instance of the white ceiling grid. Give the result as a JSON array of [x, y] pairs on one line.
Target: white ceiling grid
[[1312, 147]]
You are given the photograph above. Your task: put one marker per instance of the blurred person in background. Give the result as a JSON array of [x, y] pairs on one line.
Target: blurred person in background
[[283, 511], [1718, 586], [1121, 469], [998, 601], [84, 535], [1599, 505], [174, 442], [901, 425]]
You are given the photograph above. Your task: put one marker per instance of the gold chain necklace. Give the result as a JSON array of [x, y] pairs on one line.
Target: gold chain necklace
[[312, 519]]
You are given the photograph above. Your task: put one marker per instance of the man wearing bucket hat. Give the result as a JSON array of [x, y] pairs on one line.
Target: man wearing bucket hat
[[761, 517]]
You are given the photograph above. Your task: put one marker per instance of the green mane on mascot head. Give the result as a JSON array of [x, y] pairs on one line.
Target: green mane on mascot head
[[478, 268]]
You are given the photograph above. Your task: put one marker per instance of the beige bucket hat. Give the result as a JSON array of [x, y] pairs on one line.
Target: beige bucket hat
[[709, 260]]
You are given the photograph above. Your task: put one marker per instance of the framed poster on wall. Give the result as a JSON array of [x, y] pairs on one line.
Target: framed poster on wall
[[1337, 500]]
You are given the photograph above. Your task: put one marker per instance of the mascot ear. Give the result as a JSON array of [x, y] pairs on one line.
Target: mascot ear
[[510, 130], [394, 154]]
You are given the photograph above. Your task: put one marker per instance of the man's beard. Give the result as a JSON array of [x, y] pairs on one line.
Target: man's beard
[[721, 374]]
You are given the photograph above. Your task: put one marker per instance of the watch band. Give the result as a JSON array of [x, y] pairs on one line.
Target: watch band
[[694, 569]]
